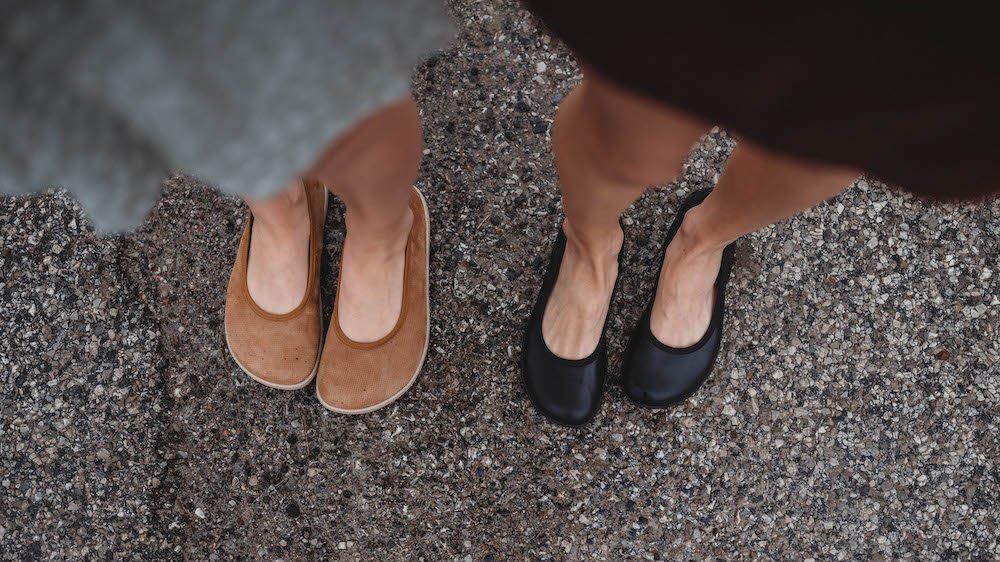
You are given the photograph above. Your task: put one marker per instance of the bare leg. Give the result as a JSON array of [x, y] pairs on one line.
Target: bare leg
[[757, 188], [278, 268], [609, 146], [372, 169]]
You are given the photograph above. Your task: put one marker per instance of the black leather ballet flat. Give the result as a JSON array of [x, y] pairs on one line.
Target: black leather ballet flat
[[566, 391], [657, 375]]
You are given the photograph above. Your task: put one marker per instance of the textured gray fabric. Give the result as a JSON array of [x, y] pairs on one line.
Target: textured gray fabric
[[106, 97]]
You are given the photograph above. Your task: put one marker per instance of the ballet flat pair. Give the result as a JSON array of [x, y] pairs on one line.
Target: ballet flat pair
[[654, 374], [287, 351]]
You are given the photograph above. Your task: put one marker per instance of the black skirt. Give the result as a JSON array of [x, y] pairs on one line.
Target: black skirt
[[909, 95]]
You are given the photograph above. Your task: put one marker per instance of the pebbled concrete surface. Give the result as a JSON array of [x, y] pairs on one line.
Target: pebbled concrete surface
[[852, 414]]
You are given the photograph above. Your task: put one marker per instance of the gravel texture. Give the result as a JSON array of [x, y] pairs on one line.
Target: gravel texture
[[853, 413], [83, 404]]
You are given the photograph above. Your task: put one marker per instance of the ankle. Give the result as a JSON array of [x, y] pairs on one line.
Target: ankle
[[594, 260], [381, 238], [596, 247], [287, 231], [698, 236]]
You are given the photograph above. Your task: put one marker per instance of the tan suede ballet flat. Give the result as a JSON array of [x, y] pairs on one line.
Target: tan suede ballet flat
[[354, 377], [278, 350]]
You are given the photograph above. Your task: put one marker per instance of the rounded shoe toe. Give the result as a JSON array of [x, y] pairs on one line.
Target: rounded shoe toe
[[567, 398], [283, 363], [657, 376]]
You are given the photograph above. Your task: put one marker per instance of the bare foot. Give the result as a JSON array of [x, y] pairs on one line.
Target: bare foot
[[371, 281], [685, 297], [574, 315], [278, 266]]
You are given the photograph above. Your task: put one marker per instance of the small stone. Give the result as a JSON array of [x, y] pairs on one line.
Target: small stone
[[833, 450]]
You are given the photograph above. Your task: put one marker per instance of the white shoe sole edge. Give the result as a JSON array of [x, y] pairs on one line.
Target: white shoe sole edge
[[319, 354], [427, 338]]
